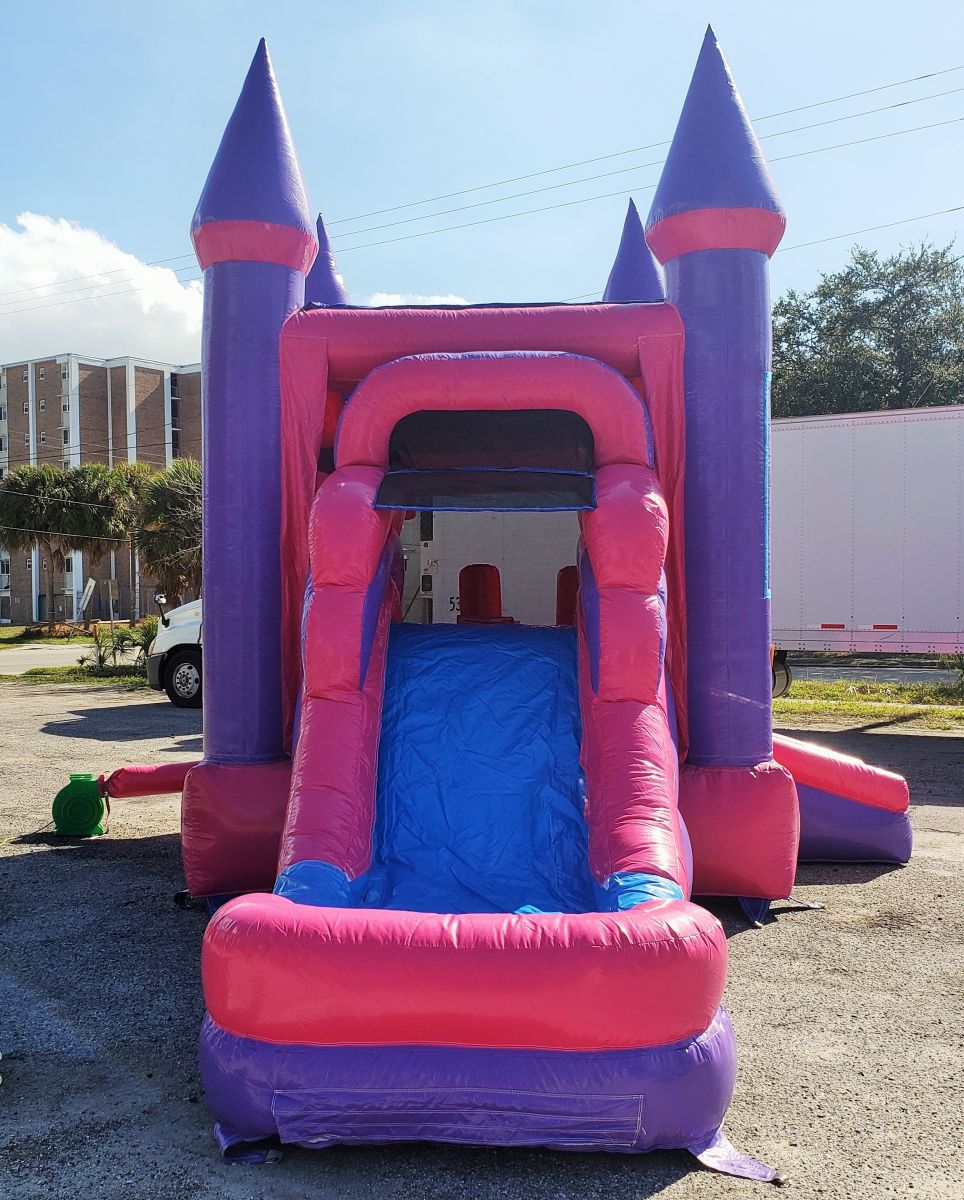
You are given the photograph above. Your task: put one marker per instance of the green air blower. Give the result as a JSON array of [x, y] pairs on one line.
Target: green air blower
[[79, 808]]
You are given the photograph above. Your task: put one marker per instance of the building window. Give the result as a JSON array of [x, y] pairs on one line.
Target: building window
[[66, 437], [26, 406], [65, 407], [3, 443], [28, 563], [26, 374], [43, 403], [43, 437], [3, 473], [26, 439], [43, 372], [66, 463], [68, 566], [3, 412], [63, 371]]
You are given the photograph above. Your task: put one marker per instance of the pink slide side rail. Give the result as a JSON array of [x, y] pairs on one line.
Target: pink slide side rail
[[331, 813], [819, 767], [628, 755]]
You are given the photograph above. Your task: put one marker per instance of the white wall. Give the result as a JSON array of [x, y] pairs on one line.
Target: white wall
[[528, 548]]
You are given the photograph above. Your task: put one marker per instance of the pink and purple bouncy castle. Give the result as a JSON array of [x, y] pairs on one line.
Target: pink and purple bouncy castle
[[461, 856]]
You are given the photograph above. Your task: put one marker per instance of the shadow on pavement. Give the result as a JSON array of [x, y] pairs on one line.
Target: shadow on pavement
[[132, 723]]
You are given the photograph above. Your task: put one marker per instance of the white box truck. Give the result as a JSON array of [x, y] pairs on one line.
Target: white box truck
[[174, 657]]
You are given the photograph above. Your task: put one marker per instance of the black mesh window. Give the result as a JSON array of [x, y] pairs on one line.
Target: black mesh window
[[543, 438], [538, 459]]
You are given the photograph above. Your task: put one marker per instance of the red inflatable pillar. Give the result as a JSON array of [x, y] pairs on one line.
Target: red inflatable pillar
[[480, 593], [567, 592]]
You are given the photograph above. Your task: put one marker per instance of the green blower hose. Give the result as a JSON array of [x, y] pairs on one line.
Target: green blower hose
[[79, 808]]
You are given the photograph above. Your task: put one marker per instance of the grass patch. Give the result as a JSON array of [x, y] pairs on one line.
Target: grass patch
[[922, 705], [922, 716], [867, 691], [129, 678], [24, 635]]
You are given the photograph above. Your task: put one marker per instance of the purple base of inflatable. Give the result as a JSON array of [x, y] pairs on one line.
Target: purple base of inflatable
[[835, 829], [629, 1101]]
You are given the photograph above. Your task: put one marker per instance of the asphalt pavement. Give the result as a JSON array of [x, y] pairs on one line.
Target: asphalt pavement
[[848, 1018]]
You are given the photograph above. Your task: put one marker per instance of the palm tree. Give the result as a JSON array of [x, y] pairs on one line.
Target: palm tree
[[34, 512], [95, 518], [130, 486], [169, 534]]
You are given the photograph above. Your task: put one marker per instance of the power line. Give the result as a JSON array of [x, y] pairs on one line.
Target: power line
[[80, 299], [639, 166], [157, 262], [95, 448], [833, 238], [647, 187], [62, 533], [9, 491], [525, 212], [585, 162], [26, 305], [87, 287], [871, 229], [532, 175]]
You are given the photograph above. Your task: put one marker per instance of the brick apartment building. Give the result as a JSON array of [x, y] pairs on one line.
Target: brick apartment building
[[69, 410]]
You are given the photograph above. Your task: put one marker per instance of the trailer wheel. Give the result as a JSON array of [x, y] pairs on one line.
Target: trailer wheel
[[182, 678], [782, 675]]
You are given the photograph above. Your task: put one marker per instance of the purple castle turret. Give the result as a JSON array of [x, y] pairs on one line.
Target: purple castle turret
[[324, 284], [714, 221], [636, 275], [255, 239]]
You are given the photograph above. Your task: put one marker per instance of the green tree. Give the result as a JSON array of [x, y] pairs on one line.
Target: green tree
[[34, 503], [94, 519], [168, 537], [130, 486], [882, 333]]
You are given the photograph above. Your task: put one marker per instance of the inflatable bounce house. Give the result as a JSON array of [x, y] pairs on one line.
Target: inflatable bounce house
[[458, 859]]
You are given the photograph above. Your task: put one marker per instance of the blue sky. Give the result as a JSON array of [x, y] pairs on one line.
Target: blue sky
[[112, 113]]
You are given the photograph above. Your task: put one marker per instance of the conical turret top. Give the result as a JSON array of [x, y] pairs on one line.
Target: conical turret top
[[635, 275], [255, 175], [715, 161], [324, 284]]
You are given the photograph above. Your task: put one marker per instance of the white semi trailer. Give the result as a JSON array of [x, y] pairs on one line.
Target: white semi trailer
[[867, 532]]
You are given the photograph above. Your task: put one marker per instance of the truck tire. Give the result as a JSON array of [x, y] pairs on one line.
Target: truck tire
[[182, 678], [782, 675]]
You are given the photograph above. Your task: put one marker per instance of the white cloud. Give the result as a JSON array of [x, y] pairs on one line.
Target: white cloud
[[117, 306], [397, 299]]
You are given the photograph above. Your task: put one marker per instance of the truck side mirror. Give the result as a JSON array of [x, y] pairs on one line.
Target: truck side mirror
[[160, 599]]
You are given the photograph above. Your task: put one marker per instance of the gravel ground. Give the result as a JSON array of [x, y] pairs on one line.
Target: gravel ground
[[848, 1019]]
